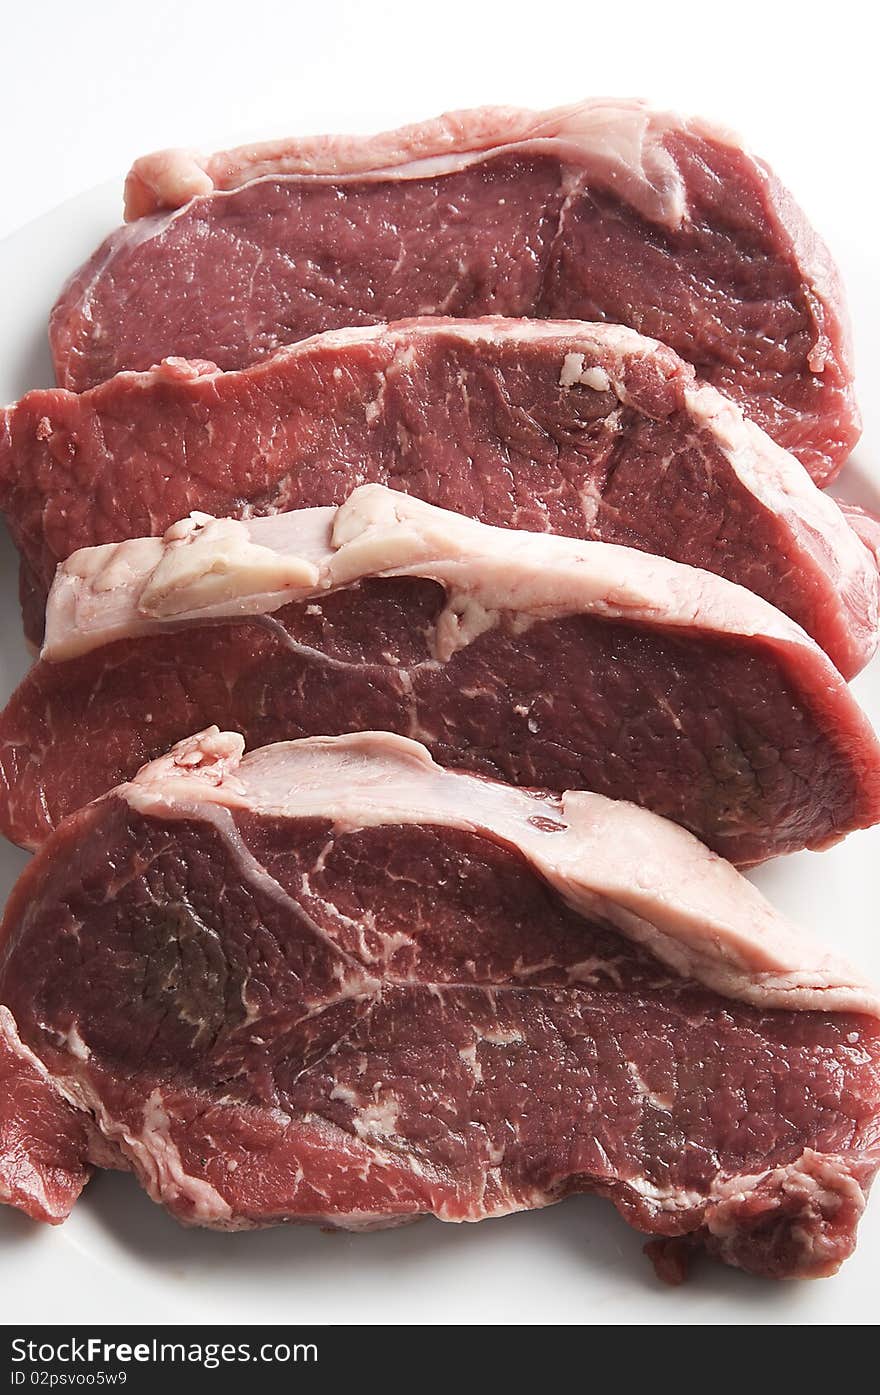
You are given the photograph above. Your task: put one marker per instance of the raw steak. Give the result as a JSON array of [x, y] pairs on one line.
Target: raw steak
[[600, 211], [543, 660], [333, 982], [582, 429], [866, 525]]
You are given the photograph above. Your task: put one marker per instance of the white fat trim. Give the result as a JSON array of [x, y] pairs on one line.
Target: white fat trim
[[152, 1151], [587, 337], [616, 144], [573, 372], [9, 1034], [207, 562], [266, 563], [161, 1165], [152, 1154], [609, 860], [75, 1044], [462, 620]]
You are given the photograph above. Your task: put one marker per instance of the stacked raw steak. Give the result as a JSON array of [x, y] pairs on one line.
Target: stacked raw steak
[[334, 982], [391, 969], [539, 659], [600, 211], [588, 430]]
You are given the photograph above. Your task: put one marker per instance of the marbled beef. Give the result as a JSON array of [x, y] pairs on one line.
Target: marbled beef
[[539, 659], [333, 982], [588, 430], [604, 210]]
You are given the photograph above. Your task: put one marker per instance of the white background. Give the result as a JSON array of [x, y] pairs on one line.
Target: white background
[[88, 87]]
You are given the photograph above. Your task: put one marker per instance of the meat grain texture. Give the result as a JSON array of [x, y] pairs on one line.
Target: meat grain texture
[[537, 659], [585, 430], [401, 991], [333, 980], [599, 211]]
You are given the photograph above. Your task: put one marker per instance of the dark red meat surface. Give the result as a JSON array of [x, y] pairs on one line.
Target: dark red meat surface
[[274, 1020]]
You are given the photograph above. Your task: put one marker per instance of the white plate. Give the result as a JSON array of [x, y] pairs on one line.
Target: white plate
[[119, 1258]]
